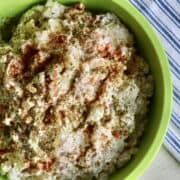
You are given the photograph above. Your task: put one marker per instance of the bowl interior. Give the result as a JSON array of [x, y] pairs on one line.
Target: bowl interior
[[148, 45]]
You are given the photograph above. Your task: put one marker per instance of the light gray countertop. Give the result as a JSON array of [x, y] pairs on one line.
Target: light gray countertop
[[163, 167]]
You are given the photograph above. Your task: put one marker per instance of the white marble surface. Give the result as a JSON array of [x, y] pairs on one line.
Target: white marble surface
[[164, 167]]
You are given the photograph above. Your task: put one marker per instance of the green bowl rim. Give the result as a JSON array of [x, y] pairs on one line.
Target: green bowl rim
[[167, 86]]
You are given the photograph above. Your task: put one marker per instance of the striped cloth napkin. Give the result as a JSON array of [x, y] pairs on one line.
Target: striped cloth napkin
[[164, 15]]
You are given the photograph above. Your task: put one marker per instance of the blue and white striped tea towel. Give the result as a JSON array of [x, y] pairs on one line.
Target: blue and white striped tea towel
[[164, 15]]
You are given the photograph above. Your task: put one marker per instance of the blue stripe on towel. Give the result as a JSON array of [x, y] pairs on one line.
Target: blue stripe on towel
[[168, 11], [149, 16]]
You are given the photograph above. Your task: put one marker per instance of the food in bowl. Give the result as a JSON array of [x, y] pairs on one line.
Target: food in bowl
[[74, 95]]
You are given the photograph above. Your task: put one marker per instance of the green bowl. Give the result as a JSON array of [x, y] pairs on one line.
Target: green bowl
[[151, 48]]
